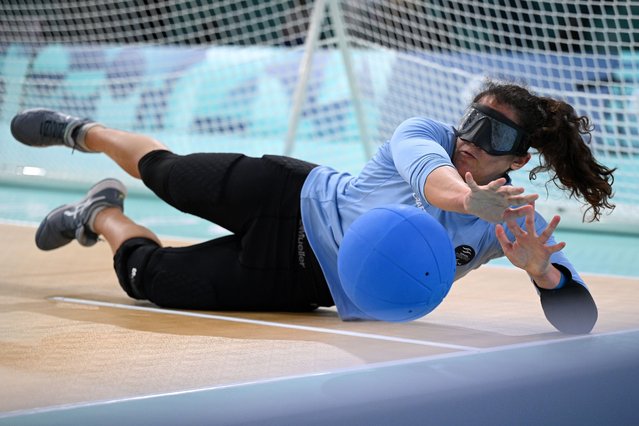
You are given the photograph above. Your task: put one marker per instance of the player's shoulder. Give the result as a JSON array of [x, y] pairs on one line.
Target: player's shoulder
[[419, 127], [420, 122]]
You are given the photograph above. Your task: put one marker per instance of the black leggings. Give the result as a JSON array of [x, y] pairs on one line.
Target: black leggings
[[266, 264]]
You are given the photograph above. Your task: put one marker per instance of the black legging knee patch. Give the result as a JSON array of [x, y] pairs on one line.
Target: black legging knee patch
[[130, 261], [184, 181]]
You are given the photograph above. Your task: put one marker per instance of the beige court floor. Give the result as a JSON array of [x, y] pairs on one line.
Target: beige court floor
[[65, 351]]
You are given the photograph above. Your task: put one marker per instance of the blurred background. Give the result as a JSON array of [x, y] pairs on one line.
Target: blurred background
[[325, 80]]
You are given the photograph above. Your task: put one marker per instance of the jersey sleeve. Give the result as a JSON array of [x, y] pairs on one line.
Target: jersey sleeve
[[419, 146]]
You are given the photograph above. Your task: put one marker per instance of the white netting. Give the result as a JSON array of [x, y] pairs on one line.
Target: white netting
[[198, 75], [434, 55], [219, 75]]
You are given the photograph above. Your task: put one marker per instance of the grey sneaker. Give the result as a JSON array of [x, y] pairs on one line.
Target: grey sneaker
[[43, 127], [75, 221]]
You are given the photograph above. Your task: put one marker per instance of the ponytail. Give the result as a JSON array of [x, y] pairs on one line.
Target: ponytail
[[563, 141]]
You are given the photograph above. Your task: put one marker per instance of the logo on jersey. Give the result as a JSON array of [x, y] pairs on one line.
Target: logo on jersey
[[464, 254], [418, 202]]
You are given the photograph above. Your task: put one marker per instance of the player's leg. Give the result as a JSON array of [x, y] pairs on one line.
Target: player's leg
[[116, 228], [218, 274], [125, 148], [77, 220], [208, 185], [42, 128], [266, 264], [99, 212], [195, 184], [210, 276], [231, 190]]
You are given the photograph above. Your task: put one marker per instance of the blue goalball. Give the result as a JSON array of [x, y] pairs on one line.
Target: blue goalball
[[396, 263]]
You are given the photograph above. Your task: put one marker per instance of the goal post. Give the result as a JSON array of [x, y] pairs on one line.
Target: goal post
[[320, 10], [258, 76]]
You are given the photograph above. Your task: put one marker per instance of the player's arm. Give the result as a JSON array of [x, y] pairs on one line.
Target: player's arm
[[420, 156], [492, 202], [444, 188], [566, 302]]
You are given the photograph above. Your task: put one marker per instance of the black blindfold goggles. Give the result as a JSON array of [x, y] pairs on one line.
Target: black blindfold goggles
[[492, 131]]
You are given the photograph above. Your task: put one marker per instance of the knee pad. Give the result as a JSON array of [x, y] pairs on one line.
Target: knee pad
[[180, 179], [130, 261]]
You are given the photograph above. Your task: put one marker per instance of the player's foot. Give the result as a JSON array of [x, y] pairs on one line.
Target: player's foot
[[75, 221], [43, 127]]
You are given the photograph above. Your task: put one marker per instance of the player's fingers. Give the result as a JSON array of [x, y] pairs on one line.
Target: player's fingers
[[502, 238], [530, 222], [512, 190], [515, 229], [513, 214], [552, 225], [557, 247], [520, 200], [471, 182], [496, 184]]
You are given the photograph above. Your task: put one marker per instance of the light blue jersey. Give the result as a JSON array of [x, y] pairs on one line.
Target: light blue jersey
[[331, 201]]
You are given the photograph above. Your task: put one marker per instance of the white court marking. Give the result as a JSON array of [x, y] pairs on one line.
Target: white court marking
[[370, 366], [264, 323]]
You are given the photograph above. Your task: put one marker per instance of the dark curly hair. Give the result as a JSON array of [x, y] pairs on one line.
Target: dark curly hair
[[562, 138]]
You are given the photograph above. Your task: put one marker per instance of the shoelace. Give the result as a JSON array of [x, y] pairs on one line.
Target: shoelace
[[53, 129]]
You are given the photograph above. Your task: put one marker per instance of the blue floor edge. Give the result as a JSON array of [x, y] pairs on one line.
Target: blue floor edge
[[592, 380]]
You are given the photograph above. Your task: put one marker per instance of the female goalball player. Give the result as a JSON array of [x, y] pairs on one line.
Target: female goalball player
[[288, 217]]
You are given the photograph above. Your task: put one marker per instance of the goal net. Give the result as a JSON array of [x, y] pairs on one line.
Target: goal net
[[323, 80]]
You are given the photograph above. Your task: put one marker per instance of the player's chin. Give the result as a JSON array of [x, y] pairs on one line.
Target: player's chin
[[463, 166]]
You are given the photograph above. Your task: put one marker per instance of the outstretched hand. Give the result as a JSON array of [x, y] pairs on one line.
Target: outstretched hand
[[529, 251], [492, 202]]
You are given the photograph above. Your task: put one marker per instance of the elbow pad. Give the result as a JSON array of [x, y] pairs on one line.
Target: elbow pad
[[571, 308]]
